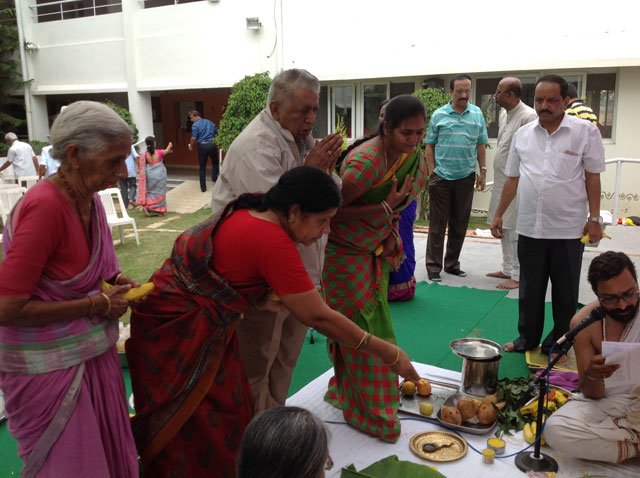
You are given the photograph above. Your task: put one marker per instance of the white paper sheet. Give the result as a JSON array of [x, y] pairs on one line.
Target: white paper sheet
[[628, 358]]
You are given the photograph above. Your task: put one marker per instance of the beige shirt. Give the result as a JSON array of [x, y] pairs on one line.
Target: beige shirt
[[255, 161], [510, 122]]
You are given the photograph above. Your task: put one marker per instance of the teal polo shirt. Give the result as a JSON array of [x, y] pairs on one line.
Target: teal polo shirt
[[456, 137]]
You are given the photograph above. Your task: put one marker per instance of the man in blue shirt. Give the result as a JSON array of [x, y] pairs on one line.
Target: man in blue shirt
[[128, 185], [455, 139], [203, 132]]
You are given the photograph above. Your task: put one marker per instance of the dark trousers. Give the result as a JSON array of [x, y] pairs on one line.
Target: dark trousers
[[128, 190], [207, 150], [449, 202], [540, 260]]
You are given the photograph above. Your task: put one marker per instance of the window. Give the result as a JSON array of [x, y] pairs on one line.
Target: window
[[601, 95], [342, 107], [54, 10], [164, 3], [374, 95]]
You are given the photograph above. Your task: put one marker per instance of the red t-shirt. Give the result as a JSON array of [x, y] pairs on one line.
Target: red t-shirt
[[48, 239], [250, 249]]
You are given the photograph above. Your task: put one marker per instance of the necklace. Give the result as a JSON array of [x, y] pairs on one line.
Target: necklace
[[72, 193]]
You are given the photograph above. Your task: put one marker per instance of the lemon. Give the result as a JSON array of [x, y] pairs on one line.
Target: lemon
[[408, 387], [426, 409]]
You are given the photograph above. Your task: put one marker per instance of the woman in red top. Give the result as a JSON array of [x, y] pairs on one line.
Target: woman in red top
[[192, 399]]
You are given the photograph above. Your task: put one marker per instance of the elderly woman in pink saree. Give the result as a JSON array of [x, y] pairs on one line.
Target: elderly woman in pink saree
[[59, 369]]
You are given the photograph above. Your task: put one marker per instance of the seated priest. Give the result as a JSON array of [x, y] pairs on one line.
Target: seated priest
[[605, 423]]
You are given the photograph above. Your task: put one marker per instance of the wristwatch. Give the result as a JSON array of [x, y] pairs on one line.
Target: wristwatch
[[597, 219]]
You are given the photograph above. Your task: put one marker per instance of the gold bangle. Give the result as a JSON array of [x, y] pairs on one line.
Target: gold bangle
[[93, 303], [115, 282], [366, 340], [357, 347], [108, 303], [396, 360]]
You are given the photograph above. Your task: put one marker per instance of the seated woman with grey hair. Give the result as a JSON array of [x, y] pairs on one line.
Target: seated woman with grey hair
[[59, 368], [284, 442]]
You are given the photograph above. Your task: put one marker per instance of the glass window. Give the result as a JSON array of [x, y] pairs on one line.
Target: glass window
[[601, 95], [342, 107], [320, 130], [401, 89], [374, 95], [485, 88], [66, 10]]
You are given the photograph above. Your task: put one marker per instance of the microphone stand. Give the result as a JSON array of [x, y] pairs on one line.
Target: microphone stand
[[527, 461]]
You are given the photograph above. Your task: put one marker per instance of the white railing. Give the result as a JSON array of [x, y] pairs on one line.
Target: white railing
[[96, 9], [616, 192]]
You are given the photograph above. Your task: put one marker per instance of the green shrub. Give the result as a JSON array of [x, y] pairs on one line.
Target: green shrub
[[125, 115], [248, 97]]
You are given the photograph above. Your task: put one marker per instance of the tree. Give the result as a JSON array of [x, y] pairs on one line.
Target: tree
[[125, 115], [432, 98], [10, 78], [248, 97]]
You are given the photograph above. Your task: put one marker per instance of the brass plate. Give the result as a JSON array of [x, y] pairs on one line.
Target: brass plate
[[455, 451]]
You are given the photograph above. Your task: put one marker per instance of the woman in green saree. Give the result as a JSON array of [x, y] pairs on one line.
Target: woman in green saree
[[381, 175]]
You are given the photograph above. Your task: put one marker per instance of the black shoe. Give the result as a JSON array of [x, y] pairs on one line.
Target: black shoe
[[434, 276], [456, 272]]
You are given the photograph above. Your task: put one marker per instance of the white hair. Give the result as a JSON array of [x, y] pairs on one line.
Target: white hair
[[90, 125], [287, 81], [10, 137]]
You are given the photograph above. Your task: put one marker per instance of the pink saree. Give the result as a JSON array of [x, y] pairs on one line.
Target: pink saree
[[63, 386]]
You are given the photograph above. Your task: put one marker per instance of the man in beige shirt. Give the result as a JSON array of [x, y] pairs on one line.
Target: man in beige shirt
[[513, 115], [277, 140]]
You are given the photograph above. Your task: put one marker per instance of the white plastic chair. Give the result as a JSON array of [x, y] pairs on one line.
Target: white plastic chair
[[27, 181], [8, 198], [113, 218]]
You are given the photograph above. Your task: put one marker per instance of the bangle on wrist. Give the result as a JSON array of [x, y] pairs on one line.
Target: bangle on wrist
[[108, 303], [388, 209], [93, 303], [397, 358], [115, 282]]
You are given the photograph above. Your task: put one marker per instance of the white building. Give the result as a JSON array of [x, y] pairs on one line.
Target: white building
[[161, 58]]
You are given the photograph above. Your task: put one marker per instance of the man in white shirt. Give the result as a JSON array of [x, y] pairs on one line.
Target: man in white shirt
[[554, 167], [277, 140], [514, 115], [21, 157], [50, 162]]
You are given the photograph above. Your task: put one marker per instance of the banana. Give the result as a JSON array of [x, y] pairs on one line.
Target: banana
[[273, 296], [134, 293], [587, 237], [534, 430], [529, 436], [379, 250]]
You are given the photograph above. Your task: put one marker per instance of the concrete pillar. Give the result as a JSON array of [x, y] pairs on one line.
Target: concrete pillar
[[139, 102], [39, 123]]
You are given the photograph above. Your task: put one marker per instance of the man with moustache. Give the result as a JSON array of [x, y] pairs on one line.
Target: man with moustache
[[554, 167], [604, 425], [513, 115], [277, 139], [456, 139]]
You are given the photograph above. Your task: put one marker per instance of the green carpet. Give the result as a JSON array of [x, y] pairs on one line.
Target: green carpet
[[424, 327]]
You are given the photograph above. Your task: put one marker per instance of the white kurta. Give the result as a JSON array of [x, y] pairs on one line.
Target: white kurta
[[510, 122]]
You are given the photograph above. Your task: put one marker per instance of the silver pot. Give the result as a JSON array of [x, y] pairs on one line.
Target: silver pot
[[480, 360]]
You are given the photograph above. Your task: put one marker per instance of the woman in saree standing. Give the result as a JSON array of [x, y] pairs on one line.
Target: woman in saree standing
[[152, 188], [192, 398], [380, 177], [59, 369]]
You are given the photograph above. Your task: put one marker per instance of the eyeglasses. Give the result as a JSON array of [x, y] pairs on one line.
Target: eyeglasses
[[611, 300], [498, 92]]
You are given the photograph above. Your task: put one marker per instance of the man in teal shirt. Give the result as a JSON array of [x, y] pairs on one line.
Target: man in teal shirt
[[455, 140]]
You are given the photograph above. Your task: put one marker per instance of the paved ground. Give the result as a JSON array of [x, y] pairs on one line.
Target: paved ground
[[186, 197], [481, 255]]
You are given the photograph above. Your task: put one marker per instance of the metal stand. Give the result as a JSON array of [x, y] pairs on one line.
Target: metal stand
[[536, 461]]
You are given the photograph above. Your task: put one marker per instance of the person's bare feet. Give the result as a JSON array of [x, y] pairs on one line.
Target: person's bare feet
[[498, 275], [508, 284], [145, 211], [509, 347]]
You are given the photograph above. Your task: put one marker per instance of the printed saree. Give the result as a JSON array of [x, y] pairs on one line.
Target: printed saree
[[402, 281], [152, 187], [192, 399], [356, 281]]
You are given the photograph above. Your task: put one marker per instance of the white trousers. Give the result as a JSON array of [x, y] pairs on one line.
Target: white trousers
[[510, 263]]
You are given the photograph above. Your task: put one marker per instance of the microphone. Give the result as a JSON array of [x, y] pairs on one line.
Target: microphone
[[596, 314]]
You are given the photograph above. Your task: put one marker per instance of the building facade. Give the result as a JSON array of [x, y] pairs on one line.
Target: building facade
[[161, 58]]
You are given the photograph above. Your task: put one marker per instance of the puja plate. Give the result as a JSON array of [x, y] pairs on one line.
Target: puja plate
[[472, 425], [560, 389], [450, 447], [440, 391]]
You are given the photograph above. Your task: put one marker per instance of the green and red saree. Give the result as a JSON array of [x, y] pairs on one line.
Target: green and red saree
[[356, 281]]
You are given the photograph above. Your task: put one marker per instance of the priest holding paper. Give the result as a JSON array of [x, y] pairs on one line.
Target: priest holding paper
[[604, 424]]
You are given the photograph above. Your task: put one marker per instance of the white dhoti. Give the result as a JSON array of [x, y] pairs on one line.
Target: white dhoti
[[510, 262], [604, 430]]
